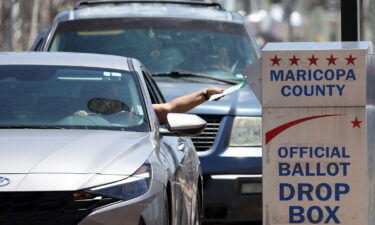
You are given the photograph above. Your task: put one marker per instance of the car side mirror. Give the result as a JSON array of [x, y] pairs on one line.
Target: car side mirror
[[183, 124]]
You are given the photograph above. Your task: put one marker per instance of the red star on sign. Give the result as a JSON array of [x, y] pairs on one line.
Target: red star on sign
[[313, 60], [350, 59], [275, 61], [356, 123], [294, 60], [331, 60]]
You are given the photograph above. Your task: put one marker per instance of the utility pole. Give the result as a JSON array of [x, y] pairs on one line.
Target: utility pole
[[350, 20]]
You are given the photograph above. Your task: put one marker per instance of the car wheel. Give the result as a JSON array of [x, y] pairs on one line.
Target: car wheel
[[197, 214]]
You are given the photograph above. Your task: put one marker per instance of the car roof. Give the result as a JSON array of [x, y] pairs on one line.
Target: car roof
[[64, 59], [151, 9]]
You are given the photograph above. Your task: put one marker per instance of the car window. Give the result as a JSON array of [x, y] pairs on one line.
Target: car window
[[215, 48], [70, 98], [156, 96]]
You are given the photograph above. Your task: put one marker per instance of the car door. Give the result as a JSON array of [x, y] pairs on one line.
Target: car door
[[177, 150]]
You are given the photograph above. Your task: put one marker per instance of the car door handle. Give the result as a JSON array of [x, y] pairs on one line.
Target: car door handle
[[181, 147]]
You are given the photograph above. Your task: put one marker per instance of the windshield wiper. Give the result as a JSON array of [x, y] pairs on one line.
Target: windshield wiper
[[30, 127], [186, 73]]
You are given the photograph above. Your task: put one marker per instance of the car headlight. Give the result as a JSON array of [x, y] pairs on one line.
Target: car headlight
[[129, 188], [246, 131]]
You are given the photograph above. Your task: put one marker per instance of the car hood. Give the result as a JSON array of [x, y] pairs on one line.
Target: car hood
[[239, 103], [33, 151]]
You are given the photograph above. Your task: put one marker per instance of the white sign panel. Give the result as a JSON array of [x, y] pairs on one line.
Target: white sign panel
[[314, 74], [314, 166]]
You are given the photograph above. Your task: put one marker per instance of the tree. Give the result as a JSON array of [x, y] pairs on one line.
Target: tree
[[22, 20]]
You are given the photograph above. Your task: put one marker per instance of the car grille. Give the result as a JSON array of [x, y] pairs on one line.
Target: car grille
[[206, 139], [46, 208]]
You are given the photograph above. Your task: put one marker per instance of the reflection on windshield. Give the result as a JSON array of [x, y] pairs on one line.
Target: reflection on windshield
[[59, 97], [218, 49]]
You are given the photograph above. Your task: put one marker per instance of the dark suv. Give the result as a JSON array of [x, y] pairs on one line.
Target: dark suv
[[187, 46]]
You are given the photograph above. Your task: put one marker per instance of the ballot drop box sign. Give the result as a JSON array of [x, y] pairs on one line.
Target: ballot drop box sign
[[315, 133]]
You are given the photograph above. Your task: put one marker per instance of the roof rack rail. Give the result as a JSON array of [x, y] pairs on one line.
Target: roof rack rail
[[193, 3]]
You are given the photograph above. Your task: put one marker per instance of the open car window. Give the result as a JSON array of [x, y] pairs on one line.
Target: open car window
[[70, 98], [156, 95]]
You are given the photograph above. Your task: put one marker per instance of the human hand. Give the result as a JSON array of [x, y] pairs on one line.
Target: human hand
[[81, 113], [213, 91]]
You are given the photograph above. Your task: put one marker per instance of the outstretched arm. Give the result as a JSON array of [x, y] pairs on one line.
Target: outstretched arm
[[184, 103]]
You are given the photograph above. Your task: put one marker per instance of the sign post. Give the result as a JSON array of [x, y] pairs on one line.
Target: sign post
[[315, 133]]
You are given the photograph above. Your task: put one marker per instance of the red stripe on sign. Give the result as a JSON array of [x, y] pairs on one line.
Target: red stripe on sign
[[276, 131]]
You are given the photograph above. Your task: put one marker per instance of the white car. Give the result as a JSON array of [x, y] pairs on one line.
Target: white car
[[81, 144]]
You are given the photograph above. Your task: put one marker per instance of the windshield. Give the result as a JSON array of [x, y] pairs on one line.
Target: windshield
[[213, 48], [70, 98]]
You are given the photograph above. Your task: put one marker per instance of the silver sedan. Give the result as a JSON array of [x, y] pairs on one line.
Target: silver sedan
[[81, 144]]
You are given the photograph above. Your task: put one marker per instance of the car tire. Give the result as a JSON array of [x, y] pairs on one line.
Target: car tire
[[197, 215]]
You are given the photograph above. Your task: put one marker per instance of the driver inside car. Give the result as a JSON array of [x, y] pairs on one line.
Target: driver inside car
[[178, 105]]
